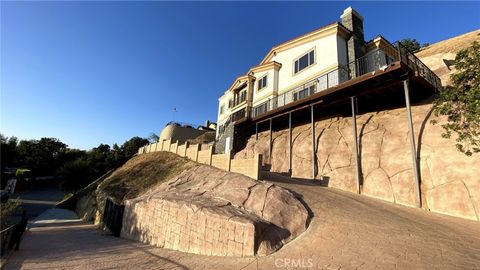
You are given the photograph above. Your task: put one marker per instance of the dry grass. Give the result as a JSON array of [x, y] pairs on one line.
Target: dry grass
[[206, 137], [143, 172], [451, 45]]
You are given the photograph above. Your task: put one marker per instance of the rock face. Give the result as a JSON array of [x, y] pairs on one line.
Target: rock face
[[440, 57], [212, 212], [450, 181]]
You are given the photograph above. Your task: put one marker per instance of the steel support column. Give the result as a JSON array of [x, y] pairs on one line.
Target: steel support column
[[290, 143], [313, 142], [416, 170], [270, 144], [256, 131], [353, 100]]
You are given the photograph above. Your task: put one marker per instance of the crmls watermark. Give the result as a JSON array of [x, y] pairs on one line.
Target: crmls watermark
[[294, 263]]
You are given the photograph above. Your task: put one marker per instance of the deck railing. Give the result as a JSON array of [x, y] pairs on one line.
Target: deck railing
[[242, 113], [372, 61], [417, 65], [378, 59]]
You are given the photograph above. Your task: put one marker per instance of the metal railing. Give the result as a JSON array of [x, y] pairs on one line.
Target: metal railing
[[370, 62], [11, 236], [242, 113], [417, 65], [6, 238], [378, 59]]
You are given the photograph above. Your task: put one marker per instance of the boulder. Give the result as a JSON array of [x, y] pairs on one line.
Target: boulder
[[208, 211]]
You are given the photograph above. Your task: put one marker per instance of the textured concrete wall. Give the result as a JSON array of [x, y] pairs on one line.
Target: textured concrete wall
[[205, 156], [450, 180], [192, 152], [181, 150], [173, 225], [249, 167], [174, 147], [221, 161], [166, 145]]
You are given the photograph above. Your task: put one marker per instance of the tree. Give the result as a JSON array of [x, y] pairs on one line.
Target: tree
[[460, 102], [8, 151], [410, 44], [130, 147], [41, 156], [153, 138]]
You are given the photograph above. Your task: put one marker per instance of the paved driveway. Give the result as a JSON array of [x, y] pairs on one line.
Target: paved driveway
[[38, 200], [347, 231]]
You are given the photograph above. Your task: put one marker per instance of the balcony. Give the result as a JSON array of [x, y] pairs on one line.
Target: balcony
[[239, 99], [379, 59]]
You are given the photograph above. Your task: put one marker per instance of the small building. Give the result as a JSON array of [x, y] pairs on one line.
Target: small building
[[182, 132]]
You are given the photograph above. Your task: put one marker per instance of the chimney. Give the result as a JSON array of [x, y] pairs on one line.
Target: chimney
[[353, 21]]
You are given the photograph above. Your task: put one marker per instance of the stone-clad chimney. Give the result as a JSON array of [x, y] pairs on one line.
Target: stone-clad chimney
[[353, 21]]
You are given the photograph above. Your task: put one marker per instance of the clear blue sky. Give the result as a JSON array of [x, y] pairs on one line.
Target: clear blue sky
[[102, 72]]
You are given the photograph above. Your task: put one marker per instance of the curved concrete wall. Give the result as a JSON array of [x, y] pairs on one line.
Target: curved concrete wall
[[179, 133], [450, 180]]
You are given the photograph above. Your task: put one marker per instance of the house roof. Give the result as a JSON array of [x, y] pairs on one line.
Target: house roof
[[266, 63], [335, 26], [266, 66]]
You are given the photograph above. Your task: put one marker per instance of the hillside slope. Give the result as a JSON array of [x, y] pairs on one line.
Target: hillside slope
[[439, 57], [135, 177]]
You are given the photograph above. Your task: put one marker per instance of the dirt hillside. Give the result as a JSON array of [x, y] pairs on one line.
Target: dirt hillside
[[439, 57]]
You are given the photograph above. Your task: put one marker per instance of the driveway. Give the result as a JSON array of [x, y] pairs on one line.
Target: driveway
[[347, 231], [38, 200]]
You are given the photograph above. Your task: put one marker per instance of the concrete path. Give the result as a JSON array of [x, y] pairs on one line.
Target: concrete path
[[347, 231], [38, 200]]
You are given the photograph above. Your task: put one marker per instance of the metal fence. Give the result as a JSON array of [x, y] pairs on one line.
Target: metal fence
[[417, 65], [113, 216], [11, 236], [6, 238]]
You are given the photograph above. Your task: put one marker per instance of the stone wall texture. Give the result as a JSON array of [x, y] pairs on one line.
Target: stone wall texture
[[205, 156], [244, 166], [450, 181], [212, 212], [192, 152], [221, 161], [180, 226]]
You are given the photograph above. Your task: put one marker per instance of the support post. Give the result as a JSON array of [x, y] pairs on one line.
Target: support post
[[313, 142], [416, 170], [357, 155], [290, 143], [270, 144], [256, 131]]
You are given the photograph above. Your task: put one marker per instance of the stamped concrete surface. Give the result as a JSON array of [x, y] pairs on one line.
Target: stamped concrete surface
[[347, 231]]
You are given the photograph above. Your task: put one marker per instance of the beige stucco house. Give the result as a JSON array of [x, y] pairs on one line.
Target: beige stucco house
[[301, 67]]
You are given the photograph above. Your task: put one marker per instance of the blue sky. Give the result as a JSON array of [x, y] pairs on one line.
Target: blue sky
[[103, 72]]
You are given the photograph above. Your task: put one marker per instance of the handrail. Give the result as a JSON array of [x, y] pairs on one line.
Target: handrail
[[377, 59], [372, 61], [7, 229], [418, 66]]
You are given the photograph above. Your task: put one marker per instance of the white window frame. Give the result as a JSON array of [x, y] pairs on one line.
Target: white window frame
[[265, 77], [296, 62]]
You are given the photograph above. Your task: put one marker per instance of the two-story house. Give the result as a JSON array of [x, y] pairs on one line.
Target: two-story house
[[314, 64]]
